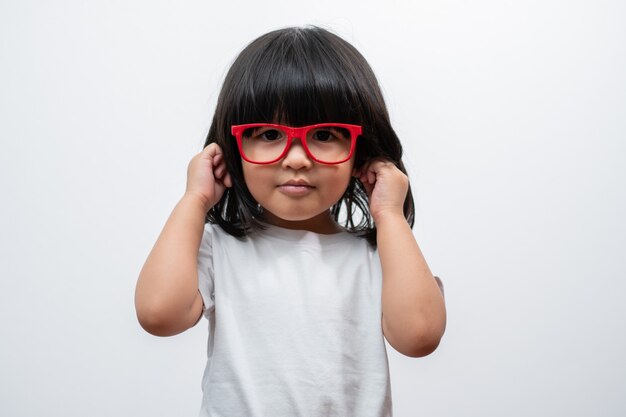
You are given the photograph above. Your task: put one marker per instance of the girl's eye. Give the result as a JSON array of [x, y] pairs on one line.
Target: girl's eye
[[323, 135], [270, 135]]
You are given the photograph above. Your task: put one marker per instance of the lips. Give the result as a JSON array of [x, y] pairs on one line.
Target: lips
[[297, 183], [296, 187]]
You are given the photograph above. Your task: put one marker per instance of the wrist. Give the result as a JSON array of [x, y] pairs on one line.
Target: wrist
[[198, 200], [393, 216]]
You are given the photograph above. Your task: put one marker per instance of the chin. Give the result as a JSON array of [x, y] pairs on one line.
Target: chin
[[295, 215]]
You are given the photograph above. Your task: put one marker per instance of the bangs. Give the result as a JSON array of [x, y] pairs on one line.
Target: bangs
[[298, 82]]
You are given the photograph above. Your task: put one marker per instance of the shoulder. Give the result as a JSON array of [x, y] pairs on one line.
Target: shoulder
[[214, 237], [356, 248], [218, 243], [207, 236], [213, 232]]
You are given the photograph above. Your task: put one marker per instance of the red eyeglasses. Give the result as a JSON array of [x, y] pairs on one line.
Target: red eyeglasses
[[266, 143]]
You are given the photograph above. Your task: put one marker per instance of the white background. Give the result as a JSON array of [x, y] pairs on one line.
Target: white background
[[513, 118]]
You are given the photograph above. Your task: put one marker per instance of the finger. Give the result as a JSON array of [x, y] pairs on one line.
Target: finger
[[218, 159], [228, 182], [362, 172], [365, 182], [371, 176], [379, 164], [218, 173], [369, 189], [364, 178], [212, 150], [363, 175], [359, 175]]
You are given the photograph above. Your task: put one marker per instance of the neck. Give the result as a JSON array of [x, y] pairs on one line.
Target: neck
[[322, 223]]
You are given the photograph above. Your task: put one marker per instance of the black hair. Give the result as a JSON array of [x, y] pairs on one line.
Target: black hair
[[302, 76]]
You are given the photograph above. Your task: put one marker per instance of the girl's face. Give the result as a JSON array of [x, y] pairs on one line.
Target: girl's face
[[297, 192]]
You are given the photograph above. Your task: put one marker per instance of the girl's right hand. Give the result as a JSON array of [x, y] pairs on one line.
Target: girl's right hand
[[207, 176]]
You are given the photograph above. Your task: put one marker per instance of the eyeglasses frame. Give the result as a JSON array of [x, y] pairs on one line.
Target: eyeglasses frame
[[296, 132]]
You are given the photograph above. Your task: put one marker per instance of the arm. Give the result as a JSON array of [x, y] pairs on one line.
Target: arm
[[167, 300], [414, 315]]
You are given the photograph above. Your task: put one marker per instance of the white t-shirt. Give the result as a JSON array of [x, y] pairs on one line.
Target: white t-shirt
[[294, 325]]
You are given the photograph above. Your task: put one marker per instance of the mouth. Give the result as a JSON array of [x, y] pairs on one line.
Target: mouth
[[296, 187], [296, 183]]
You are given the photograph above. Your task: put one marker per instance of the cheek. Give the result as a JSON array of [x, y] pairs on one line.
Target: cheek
[[246, 173], [257, 180], [338, 184]]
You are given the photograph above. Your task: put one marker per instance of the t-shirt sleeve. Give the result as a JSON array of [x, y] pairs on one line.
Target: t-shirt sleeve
[[440, 283], [205, 271]]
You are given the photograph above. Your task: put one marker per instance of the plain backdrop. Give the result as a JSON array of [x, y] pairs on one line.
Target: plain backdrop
[[512, 115]]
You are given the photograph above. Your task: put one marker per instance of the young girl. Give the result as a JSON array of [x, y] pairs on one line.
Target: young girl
[[294, 240]]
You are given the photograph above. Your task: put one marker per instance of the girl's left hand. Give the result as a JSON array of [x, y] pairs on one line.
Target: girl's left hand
[[386, 187]]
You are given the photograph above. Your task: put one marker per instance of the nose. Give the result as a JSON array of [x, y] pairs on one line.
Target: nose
[[296, 157]]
